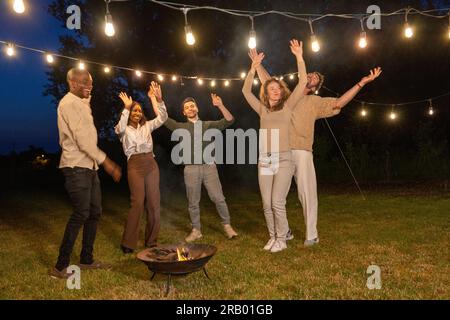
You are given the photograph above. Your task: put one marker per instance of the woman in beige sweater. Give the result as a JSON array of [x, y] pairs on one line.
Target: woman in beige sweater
[[274, 166]]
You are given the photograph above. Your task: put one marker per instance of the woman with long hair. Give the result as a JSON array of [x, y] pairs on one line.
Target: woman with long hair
[[275, 169], [134, 131]]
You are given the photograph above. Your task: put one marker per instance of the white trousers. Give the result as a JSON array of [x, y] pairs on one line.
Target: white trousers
[[305, 178]]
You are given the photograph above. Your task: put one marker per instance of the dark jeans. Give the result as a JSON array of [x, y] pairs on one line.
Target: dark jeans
[[83, 187]]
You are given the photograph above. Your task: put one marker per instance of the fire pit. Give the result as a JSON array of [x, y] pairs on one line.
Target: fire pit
[[177, 260]]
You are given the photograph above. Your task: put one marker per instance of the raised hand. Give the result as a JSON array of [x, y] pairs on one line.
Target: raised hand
[[216, 100], [256, 58], [127, 101], [374, 73], [155, 90], [296, 47]]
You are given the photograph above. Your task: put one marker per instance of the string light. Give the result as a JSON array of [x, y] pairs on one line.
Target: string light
[[109, 26], [106, 69], [315, 45], [393, 115], [255, 82], [50, 59], [213, 83], [363, 111], [226, 83], [281, 78], [408, 30], [10, 50], [160, 77], [174, 78], [243, 75], [316, 92], [363, 37], [252, 36], [190, 39], [81, 65], [200, 81], [138, 73], [430, 108], [291, 77], [19, 6]]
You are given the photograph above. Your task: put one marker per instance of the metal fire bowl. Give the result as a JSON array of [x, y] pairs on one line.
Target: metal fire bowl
[[204, 251]]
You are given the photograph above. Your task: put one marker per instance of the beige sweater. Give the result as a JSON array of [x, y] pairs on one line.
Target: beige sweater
[[308, 109], [278, 121]]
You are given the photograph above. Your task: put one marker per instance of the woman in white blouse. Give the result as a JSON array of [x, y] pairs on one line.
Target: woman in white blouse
[[134, 131]]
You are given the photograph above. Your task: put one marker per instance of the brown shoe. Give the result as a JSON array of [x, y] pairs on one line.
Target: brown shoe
[[56, 274], [95, 265]]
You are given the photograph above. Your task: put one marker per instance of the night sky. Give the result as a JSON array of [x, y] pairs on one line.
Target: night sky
[[30, 117]]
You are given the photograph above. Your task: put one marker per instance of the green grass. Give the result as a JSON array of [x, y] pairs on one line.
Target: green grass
[[406, 235]]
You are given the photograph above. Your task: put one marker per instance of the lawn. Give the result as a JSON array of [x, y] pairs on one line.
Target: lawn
[[406, 235]]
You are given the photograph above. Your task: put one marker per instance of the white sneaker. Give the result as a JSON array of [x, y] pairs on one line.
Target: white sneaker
[[194, 235], [269, 244], [278, 246], [229, 231]]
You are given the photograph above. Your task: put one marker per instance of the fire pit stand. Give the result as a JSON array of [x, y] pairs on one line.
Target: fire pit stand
[[167, 263]]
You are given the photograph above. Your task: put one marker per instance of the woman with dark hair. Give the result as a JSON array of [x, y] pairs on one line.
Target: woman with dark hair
[[275, 166], [134, 131]]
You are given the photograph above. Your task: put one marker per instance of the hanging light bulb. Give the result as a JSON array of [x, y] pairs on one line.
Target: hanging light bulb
[[430, 108], [316, 92], [200, 81], [393, 115], [81, 65], [362, 43], [106, 69], [226, 83], [409, 32], [138, 73], [50, 59], [190, 39], [213, 83], [109, 26], [315, 45], [255, 82], [19, 6], [243, 75], [160, 77], [291, 77], [10, 50], [252, 36], [363, 111], [281, 77], [174, 78]]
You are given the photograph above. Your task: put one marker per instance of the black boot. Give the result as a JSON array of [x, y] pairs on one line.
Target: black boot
[[126, 250]]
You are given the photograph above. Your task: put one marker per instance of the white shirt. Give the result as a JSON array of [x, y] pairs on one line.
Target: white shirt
[[77, 134], [139, 140]]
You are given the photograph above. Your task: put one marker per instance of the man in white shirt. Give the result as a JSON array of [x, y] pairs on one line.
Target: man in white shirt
[[80, 160]]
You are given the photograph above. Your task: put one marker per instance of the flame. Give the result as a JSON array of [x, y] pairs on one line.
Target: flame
[[182, 254]]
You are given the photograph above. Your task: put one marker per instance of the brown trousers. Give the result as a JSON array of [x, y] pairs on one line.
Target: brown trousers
[[143, 180]]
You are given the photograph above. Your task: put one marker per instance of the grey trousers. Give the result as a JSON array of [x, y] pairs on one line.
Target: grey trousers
[[275, 176], [194, 176]]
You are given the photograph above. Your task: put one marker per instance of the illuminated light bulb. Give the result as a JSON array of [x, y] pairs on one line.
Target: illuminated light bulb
[[255, 82], [81, 65], [109, 26], [431, 111], [138, 73], [316, 92], [200, 82], [107, 69], [291, 77], [408, 31], [315, 45], [363, 112], [226, 83], [252, 39], [190, 39], [393, 115], [19, 6], [362, 40], [160, 77], [49, 58], [174, 78], [243, 74], [448, 33], [213, 83], [10, 51], [281, 78]]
